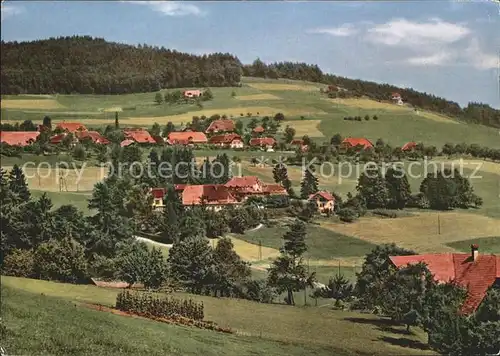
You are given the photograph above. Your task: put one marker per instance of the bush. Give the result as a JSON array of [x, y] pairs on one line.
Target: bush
[[278, 201], [18, 263], [61, 261], [347, 215], [375, 117], [152, 305], [367, 117], [258, 291]]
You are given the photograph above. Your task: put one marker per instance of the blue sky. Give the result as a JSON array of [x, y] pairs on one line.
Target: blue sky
[[446, 48]]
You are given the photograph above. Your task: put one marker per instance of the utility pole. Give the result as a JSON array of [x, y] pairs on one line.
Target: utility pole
[[439, 225]]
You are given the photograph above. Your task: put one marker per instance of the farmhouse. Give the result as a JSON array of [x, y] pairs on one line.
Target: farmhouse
[[473, 271], [227, 141], [214, 195], [70, 127], [396, 98], [409, 146], [126, 142], [95, 136], [189, 137], [220, 126], [258, 130], [140, 136], [192, 93], [263, 142], [300, 143], [324, 200], [243, 187], [351, 142], [18, 138]]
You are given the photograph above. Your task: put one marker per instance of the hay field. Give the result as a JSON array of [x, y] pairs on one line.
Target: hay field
[[250, 252], [284, 86], [113, 109], [263, 96], [305, 127], [369, 104], [75, 179], [420, 232], [46, 104], [436, 117]]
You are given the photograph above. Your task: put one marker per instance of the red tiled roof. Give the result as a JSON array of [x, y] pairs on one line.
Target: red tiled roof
[[180, 187], [139, 136], [259, 129], [18, 138], [127, 142], [158, 193], [353, 142], [274, 189], [409, 146], [95, 136], [243, 182], [323, 194], [262, 141], [297, 141], [189, 136], [71, 126], [214, 194], [227, 138], [396, 95], [57, 139], [221, 125], [477, 276]]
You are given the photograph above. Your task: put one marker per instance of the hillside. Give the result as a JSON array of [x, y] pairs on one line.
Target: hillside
[[33, 312], [86, 65], [82, 64]]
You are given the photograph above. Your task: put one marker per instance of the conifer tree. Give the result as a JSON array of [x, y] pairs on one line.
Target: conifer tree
[[309, 184], [18, 184], [398, 188]]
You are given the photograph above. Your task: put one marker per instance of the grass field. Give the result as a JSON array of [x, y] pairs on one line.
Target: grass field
[[35, 310], [80, 200], [486, 245], [396, 125]]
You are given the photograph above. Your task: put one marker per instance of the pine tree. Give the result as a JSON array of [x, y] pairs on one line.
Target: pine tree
[[191, 262], [117, 125], [373, 189], [288, 272], [18, 185], [172, 212], [398, 188], [309, 184]]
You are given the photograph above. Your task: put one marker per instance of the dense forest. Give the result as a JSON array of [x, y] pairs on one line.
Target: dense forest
[[475, 112], [86, 65]]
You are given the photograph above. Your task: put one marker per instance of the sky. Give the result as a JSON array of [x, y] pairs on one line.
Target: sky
[[448, 48]]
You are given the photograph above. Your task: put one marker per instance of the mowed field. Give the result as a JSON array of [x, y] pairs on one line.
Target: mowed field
[[305, 108], [30, 305]]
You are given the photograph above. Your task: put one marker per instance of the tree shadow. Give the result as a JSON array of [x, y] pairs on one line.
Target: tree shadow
[[405, 342], [379, 322]]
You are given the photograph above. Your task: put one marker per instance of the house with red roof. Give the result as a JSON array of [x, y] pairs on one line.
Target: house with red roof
[[475, 272], [227, 141], [220, 126], [409, 146], [140, 136], [396, 97], [95, 136], [274, 189], [58, 139], [215, 196], [243, 187], [324, 200], [352, 142], [70, 127], [258, 130], [126, 142], [186, 138], [192, 93], [263, 142], [19, 138], [300, 143], [159, 194]]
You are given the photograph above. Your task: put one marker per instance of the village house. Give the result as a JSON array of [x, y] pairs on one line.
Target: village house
[[186, 138], [79, 136], [126, 142], [220, 126], [266, 143], [139, 136], [243, 187], [215, 196], [299, 143], [324, 200], [192, 93], [351, 142], [258, 130], [18, 138], [70, 127], [396, 98], [473, 271], [227, 141], [159, 194], [410, 146]]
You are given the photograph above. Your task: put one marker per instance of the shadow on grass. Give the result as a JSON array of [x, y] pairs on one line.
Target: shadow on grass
[[405, 342]]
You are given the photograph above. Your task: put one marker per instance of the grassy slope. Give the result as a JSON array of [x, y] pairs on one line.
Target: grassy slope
[[486, 244], [284, 330]]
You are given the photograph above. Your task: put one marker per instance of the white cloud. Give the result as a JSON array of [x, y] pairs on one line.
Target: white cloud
[[171, 8], [9, 10], [341, 31], [479, 59], [436, 59], [401, 32]]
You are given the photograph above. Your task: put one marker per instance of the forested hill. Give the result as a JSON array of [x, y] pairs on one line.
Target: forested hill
[[474, 112], [86, 65]]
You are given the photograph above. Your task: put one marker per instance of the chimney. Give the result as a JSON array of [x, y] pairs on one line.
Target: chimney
[[474, 251]]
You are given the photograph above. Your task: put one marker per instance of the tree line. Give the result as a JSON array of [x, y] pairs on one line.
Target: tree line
[[87, 65], [474, 112]]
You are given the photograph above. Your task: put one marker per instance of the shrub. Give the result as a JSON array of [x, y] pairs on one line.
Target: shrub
[[375, 117], [241, 114], [278, 201], [153, 305], [60, 260], [367, 117], [259, 291], [347, 215], [18, 263]]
